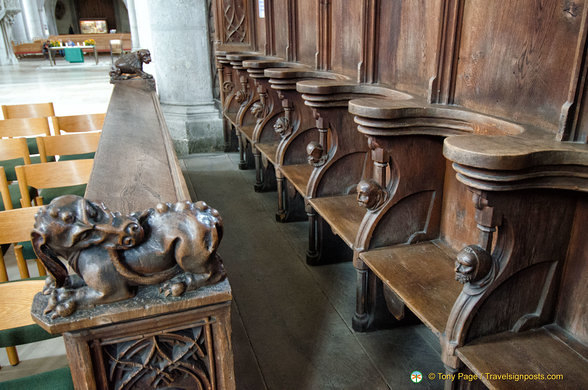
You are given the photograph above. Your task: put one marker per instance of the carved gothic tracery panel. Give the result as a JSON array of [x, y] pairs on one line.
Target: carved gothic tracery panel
[[235, 23], [178, 359]]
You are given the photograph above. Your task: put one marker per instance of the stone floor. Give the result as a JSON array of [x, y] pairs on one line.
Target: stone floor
[[291, 322]]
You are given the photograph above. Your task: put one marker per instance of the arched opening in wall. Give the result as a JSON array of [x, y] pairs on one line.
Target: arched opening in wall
[[114, 12]]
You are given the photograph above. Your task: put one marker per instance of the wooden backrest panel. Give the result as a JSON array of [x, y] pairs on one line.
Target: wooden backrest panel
[[572, 308], [67, 144], [54, 174], [78, 123], [14, 148], [16, 225], [307, 26], [281, 28], [346, 38], [28, 110], [407, 39], [516, 58], [23, 127]]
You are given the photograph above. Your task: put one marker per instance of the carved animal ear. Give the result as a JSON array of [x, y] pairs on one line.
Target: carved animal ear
[[48, 258]]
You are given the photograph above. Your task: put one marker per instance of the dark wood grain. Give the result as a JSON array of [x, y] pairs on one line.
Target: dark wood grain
[[342, 213]]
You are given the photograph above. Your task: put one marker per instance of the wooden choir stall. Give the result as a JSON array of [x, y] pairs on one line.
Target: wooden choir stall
[[118, 335], [439, 145]]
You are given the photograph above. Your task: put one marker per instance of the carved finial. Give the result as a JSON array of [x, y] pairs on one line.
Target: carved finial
[[370, 194], [283, 127], [473, 265], [315, 154]]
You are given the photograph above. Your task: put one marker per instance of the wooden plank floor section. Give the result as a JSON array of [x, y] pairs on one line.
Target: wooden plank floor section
[[342, 213], [422, 275], [298, 175], [532, 352], [292, 322]]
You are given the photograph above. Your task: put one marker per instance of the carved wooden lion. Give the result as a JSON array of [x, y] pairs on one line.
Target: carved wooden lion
[[174, 243], [131, 65]]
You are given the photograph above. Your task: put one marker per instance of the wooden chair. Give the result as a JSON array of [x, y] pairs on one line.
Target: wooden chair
[[17, 151], [23, 127], [68, 146], [116, 47], [53, 179], [37, 110], [17, 328], [15, 227], [77, 123]]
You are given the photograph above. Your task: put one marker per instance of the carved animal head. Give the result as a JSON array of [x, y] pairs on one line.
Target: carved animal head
[[71, 223], [257, 109], [144, 55]]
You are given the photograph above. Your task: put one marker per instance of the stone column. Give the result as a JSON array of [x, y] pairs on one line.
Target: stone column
[[135, 39], [32, 19], [177, 37], [8, 10]]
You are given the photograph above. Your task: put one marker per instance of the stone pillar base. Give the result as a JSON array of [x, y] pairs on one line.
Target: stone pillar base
[[195, 128]]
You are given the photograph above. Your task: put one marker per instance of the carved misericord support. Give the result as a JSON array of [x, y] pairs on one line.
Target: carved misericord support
[[242, 96], [261, 109], [371, 195], [284, 125], [172, 244], [476, 268], [316, 150]]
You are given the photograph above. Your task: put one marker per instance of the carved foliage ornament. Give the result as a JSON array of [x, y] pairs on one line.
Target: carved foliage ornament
[[173, 244], [228, 86], [371, 195]]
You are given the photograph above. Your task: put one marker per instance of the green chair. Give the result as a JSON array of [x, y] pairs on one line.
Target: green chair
[[23, 111], [23, 127]]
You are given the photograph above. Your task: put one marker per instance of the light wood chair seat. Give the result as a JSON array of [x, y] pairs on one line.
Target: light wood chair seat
[[77, 123], [73, 146], [53, 179]]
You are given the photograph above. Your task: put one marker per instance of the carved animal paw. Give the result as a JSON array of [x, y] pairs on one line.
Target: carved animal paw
[[61, 303], [182, 283]]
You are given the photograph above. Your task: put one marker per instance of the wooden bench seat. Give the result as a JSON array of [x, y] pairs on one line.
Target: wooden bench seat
[[537, 353], [298, 175], [342, 213], [422, 275], [268, 150]]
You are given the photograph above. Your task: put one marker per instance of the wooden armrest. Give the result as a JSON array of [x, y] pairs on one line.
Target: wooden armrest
[[422, 275], [331, 87], [298, 175], [17, 299], [298, 73], [534, 353], [342, 213]]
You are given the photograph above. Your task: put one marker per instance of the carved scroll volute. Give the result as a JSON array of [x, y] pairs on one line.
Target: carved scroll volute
[[316, 150], [476, 268], [228, 85], [283, 125]]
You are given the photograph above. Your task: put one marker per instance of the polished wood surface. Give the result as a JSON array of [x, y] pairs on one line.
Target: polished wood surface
[[17, 298], [537, 353], [422, 275], [298, 175], [342, 213], [12, 148], [21, 127], [136, 188]]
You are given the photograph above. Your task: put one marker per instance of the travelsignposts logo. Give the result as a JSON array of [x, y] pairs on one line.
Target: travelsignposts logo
[[416, 376]]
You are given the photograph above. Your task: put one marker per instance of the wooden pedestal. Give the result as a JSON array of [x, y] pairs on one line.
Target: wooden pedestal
[[149, 341]]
